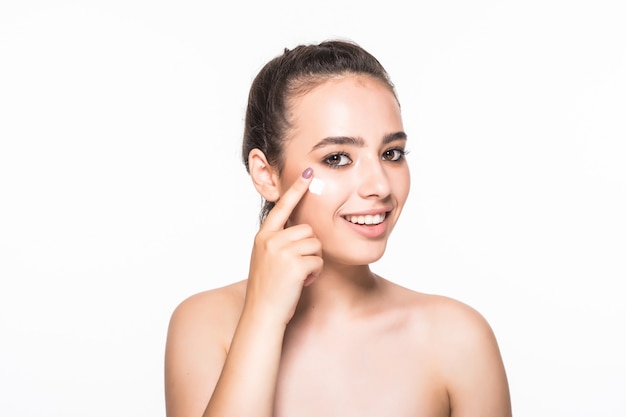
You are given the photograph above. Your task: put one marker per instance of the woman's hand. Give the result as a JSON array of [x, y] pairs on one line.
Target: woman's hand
[[284, 259]]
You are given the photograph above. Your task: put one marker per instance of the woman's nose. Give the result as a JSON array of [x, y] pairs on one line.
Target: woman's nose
[[373, 180]]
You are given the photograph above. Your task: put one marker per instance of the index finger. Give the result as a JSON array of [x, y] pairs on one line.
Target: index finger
[[277, 218]]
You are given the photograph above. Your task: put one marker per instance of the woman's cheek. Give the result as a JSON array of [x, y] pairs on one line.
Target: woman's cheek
[[326, 196], [329, 188]]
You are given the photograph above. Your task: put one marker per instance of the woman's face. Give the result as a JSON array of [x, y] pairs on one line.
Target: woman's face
[[349, 130]]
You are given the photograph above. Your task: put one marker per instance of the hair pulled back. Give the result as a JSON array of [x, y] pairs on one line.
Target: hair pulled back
[[289, 75]]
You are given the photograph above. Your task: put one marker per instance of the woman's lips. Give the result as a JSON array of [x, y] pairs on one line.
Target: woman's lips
[[368, 225]]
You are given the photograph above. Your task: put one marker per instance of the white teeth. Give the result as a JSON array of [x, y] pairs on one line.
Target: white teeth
[[367, 219]]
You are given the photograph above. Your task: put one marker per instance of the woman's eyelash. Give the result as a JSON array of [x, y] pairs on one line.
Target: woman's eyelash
[[337, 159], [401, 151], [342, 159]]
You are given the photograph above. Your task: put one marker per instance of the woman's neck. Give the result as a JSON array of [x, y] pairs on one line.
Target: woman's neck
[[339, 289]]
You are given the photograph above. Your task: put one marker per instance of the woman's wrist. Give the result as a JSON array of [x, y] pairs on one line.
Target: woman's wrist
[[266, 317]]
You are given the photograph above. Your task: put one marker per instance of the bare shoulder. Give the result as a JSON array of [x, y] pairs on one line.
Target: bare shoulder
[[216, 307], [198, 338], [464, 350], [206, 320], [445, 315], [453, 327], [454, 320]]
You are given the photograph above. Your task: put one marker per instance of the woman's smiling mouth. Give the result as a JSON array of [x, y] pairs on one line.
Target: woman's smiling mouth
[[367, 219], [372, 225]]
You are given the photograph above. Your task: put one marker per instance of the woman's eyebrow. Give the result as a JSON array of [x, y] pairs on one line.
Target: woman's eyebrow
[[339, 140], [390, 137], [356, 141]]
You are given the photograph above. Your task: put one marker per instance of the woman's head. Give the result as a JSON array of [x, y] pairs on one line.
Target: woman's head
[[288, 76]]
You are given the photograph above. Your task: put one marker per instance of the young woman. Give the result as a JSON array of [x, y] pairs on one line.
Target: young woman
[[313, 331]]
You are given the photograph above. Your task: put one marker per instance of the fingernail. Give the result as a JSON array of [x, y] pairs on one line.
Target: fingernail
[[306, 174]]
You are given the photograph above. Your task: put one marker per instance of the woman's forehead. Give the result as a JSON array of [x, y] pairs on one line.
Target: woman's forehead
[[363, 114]]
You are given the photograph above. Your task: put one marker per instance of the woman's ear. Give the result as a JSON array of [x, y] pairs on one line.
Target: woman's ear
[[264, 176]]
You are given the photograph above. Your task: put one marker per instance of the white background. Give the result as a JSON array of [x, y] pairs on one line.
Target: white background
[[122, 191]]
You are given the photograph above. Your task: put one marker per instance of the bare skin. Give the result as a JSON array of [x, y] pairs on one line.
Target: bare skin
[[312, 331], [404, 354]]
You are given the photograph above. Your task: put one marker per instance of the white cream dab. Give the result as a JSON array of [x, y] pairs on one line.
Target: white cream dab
[[316, 186]]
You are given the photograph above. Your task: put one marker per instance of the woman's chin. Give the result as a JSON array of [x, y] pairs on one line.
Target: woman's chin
[[355, 257]]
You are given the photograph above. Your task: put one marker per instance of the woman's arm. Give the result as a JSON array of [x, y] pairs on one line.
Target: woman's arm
[[195, 351], [247, 383], [477, 381], [199, 371], [208, 373]]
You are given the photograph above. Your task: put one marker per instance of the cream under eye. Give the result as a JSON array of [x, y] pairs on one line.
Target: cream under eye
[[337, 160]]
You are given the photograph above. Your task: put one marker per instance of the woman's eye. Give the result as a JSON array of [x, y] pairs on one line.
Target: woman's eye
[[337, 160], [393, 154]]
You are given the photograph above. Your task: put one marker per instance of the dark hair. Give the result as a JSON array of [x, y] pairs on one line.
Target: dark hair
[[293, 73]]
